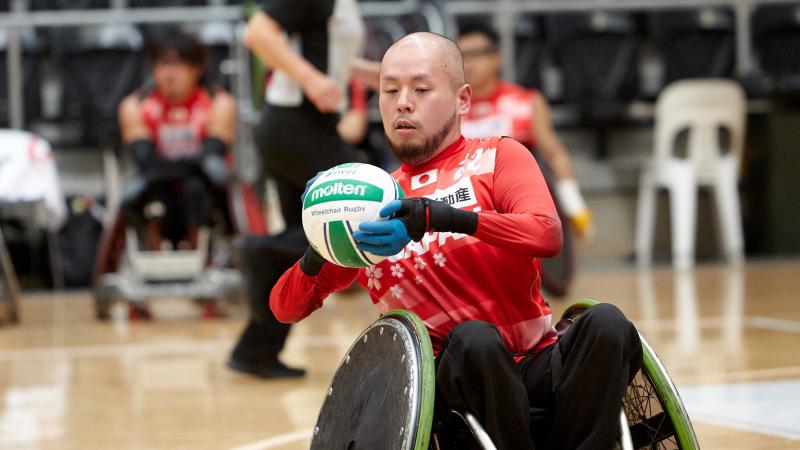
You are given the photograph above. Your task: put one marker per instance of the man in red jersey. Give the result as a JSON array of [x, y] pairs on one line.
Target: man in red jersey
[[501, 108], [464, 253], [178, 135]]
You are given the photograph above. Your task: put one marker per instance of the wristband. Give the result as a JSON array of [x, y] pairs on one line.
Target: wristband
[[311, 263], [213, 145], [143, 152], [569, 197]]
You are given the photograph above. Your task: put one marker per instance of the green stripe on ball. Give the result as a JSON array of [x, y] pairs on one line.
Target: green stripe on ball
[[344, 248]]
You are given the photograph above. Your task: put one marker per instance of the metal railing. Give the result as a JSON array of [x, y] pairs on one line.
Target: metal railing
[[19, 19], [506, 10]]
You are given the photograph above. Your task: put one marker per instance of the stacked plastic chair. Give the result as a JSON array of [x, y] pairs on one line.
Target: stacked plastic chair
[[703, 107]]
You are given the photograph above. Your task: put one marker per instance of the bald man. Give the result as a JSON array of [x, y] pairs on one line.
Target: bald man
[[464, 251]]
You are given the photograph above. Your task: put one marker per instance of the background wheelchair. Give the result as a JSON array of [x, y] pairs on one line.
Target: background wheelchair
[[128, 270], [382, 395]]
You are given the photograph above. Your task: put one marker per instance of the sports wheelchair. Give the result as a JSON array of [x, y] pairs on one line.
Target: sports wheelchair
[[131, 268], [382, 395]]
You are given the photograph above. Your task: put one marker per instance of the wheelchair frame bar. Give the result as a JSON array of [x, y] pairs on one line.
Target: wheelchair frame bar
[[625, 431], [477, 430]]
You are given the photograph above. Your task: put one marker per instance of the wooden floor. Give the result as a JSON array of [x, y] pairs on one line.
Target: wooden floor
[[730, 338]]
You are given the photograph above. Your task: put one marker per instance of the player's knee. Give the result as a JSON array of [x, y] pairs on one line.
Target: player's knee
[[480, 340], [610, 326]]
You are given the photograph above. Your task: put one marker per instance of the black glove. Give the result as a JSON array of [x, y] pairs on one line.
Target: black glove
[[143, 152], [423, 214]]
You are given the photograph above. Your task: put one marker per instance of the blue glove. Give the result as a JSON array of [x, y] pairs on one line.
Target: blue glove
[[383, 237], [308, 185]]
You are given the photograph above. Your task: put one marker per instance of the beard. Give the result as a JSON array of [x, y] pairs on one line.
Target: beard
[[418, 153]]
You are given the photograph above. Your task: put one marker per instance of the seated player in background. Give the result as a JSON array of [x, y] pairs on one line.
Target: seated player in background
[[472, 272], [501, 108], [178, 135]]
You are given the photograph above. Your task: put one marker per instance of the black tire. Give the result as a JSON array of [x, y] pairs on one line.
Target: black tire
[[13, 313], [558, 271], [102, 306]]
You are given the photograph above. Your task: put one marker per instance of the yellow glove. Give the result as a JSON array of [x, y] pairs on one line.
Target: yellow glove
[[569, 196], [582, 223]]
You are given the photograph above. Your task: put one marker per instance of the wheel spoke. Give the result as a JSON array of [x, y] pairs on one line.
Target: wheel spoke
[[650, 425]]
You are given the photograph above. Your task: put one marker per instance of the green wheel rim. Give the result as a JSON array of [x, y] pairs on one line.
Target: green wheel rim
[[578, 307], [655, 371], [652, 368], [669, 396], [427, 380]]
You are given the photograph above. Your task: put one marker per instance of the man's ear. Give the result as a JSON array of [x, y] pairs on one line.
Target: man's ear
[[464, 97]]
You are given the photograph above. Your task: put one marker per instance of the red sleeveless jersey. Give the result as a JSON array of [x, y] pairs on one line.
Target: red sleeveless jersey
[[177, 130], [448, 278], [507, 111]]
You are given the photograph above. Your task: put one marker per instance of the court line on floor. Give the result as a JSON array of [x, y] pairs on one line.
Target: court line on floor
[[741, 376], [312, 341], [771, 323], [164, 348], [275, 441], [744, 425], [760, 322]]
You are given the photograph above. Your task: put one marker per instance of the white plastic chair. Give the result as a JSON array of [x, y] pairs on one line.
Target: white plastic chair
[[30, 189], [703, 107]]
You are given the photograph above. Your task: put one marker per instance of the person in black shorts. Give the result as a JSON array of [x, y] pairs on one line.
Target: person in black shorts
[[296, 138]]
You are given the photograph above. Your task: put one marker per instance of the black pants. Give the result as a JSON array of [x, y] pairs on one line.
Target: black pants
[[294, 144], [580, 381], [189, 199], [263, 260]]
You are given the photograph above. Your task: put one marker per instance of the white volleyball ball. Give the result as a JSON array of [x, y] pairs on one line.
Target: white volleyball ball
[[338, 201]]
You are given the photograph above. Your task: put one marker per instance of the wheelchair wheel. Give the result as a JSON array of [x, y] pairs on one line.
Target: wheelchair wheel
[[382, 393], [656, 416], [558, 271], [109, 255], [653, 408]]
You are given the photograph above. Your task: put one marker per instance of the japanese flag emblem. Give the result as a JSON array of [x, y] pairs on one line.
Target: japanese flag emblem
[[424, 179]]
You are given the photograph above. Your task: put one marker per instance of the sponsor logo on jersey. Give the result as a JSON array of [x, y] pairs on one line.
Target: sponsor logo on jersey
[[459, 195]]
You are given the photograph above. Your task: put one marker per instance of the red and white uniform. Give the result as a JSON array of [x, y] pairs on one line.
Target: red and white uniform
[[177, 130], [507, 111], [447, 278]]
